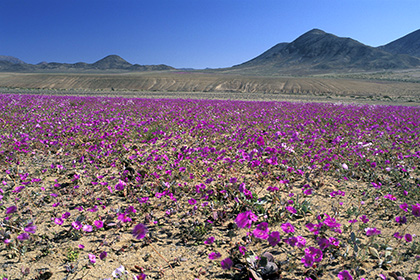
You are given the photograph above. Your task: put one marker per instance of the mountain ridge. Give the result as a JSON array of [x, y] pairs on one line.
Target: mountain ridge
[[109, 63]]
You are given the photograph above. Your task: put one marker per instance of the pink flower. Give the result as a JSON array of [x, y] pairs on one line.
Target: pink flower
[[261, 231], [58, 221], [226, 264], [242, 250], [98, 224], [345, 275], [192, 201], [301, 242], [245, 219], [87, 228], [372, 231], [287, 228], [140, 231], [92, 258], [291, 209], [77, 225], [209, 240]]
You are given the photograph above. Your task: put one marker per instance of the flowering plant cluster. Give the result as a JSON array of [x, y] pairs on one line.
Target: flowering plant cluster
[[258, 189]]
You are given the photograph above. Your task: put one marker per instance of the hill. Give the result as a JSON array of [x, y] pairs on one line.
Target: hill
[[11, 59], [409, 44], [319, 52], [111, 63]]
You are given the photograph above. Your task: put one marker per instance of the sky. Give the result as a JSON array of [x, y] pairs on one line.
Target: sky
[[189, 33]]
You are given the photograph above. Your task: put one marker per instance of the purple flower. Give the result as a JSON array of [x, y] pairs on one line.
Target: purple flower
[[31, 228], [307, 261], [364, 219], [408, 237], [11, 210], [307, 192], [260, 141], [192, 201], [23, 236], [245, 219], [315, 253], [103, 255], [214, 255], [140, 231], [372, 231], [261, 231], [242, 250], [292, 241], [415, 210], [401, 220], [397, 235], [404, 207], [65, 215], [274, 238], [344, 275], [287, 228], [209, 240], [226, 264], [291, 209], [120, 185], [323, 243]]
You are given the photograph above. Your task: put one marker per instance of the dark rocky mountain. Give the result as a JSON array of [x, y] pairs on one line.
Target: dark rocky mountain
[[109, 63], [409, 44], [317, 52]]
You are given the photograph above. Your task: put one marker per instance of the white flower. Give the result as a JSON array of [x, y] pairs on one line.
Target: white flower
[[117, 273]]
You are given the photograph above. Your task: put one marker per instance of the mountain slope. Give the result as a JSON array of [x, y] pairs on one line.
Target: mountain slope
[[409, 44], [317, 51]]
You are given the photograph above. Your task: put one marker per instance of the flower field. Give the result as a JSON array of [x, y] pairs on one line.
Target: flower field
[[118, 188]]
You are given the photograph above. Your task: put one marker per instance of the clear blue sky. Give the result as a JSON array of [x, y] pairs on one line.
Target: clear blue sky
[[189, 33]]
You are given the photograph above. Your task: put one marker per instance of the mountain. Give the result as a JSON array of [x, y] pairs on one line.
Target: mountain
[[109, 63], [11, 59], [319, 52], [409, 44]]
